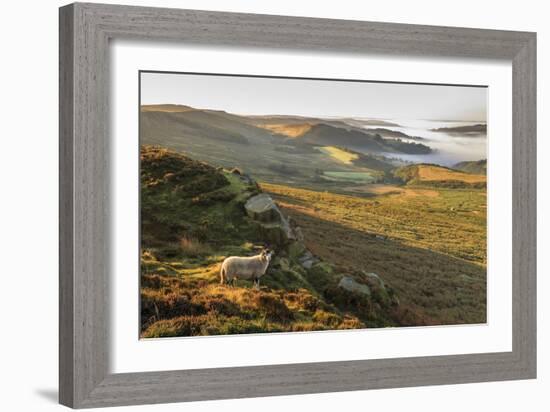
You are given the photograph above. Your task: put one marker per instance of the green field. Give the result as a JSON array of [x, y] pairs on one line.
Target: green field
[[353, 177]]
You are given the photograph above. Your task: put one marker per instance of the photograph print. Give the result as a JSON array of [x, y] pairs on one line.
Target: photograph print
[[272, 204]]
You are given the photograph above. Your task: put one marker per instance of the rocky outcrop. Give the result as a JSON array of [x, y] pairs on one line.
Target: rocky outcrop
[[273, 225], [351, 285], [362, 292], [373, 277], [262, 208]]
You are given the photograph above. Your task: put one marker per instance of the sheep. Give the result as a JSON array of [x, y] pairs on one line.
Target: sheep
[[252, 267]]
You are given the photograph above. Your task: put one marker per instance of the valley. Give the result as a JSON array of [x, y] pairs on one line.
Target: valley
[[364, 238]]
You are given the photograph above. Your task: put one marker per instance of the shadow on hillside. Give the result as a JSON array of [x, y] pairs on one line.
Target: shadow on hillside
[[433, 288]]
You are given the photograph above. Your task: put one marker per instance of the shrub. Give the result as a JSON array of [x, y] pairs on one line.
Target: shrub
[[194, 247], [157, 305], [273, 308], [218, 305], [152, 282], [209, 324], [326, 318]]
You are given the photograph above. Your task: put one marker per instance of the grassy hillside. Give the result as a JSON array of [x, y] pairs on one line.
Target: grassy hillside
[[226, 140], [288, 130], [323, 134], [192, 217], [169, 121], [167, 108], [426, 245], [439, 176], [162, 124], [429, 243], [392, 133], [478, 167]]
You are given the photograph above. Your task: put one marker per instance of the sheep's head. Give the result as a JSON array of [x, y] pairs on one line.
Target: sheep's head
[[266, 255]]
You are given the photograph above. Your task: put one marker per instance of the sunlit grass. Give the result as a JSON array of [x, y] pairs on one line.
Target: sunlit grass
[[343, 156]]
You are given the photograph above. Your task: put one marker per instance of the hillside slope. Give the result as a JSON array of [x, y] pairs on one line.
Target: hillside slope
[[194, 215], [439, 176], [323, 134], [227, 140], [478, 167], [162, 122]]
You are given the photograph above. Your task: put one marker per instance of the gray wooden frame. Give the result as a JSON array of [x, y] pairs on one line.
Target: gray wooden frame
[[85, 31]]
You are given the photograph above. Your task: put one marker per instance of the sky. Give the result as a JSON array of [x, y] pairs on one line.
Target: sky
[[316, 98]]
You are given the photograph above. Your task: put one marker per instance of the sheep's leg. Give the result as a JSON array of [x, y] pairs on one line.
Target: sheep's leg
[[257, 283]]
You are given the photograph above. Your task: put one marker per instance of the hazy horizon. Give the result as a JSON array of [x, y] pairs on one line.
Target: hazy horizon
[[261, 96]]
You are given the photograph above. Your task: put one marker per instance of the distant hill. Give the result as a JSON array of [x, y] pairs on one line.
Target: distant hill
[[392, 133], [297, 126], [362, 160], [288, 151], [168, 108], [369, 122], [323, 134], [476, 167], [160, 123], [439, 176], [470, 129]]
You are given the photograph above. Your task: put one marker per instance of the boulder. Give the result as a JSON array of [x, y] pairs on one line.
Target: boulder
[[246, 179], [308, 263], [298, 233], [273, 226], [262, 208], [373, 277], [382, 293], [275, 233], [351, 285], [307, 260]]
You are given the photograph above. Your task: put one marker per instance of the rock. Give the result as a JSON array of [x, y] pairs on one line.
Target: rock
[[307, 260], [275, 233], [382, 293], [308, 263], [351, 285], [246, 179], [262, 208], [373, 277], [273, 226], [298, 233]]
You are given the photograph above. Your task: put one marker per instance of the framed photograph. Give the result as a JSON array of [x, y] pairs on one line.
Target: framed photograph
[[258, 205]]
